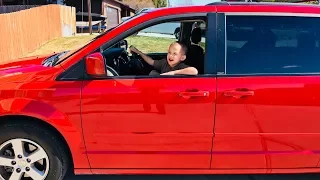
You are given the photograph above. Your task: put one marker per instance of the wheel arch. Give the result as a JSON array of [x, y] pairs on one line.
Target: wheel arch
[[46, 115], [7, 119]]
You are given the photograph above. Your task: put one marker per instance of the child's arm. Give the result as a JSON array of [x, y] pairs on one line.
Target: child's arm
[[185, 71], [146, 58]]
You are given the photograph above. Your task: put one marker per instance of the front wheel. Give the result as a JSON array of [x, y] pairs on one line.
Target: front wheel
[[28, 151]]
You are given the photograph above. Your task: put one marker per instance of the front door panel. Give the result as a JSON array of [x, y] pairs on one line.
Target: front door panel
[[149, 123]]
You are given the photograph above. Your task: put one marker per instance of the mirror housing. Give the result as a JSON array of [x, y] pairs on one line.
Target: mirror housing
[[95, 64]]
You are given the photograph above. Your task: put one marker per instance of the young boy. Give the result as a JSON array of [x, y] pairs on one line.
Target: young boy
[[173, 64]]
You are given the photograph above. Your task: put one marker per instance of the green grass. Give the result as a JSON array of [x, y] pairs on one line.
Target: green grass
[[150, 44], [143, 43], [203, 45], [61, 44]]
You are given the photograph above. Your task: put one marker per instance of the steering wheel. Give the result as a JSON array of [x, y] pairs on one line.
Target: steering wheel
[[119, 62], [135, 60], [109, 70]]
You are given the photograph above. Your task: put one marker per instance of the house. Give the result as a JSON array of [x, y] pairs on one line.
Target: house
[[107, 11]]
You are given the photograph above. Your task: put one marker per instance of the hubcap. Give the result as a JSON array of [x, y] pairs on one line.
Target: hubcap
[[23, 159]]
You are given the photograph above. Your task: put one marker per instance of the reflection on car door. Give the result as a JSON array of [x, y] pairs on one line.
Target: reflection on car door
[[149, 123], [267, 104]]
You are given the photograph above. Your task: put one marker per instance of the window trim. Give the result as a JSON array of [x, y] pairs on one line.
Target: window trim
[[222, 37], [64, 76], [159, 20]]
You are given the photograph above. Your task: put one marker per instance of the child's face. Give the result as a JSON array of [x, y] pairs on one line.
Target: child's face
[[175, 54]]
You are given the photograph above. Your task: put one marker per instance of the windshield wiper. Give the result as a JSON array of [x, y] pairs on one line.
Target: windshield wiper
[[58, 56]]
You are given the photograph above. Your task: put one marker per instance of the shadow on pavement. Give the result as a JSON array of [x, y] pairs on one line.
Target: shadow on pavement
[[200, 177]]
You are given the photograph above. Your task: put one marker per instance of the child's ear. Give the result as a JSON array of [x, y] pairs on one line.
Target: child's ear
[[183, 57]]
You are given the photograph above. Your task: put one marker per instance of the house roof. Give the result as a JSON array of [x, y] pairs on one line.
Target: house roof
[[124, 4]]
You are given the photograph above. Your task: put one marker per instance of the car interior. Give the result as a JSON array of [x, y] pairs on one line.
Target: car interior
[[119, 62]]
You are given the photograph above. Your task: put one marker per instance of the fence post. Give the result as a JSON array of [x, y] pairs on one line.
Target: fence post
[[89, 15]]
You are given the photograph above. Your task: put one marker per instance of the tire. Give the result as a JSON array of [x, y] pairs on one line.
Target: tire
[[37, 139]]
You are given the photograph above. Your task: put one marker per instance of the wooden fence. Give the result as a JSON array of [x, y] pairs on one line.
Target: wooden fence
[[24, 31]]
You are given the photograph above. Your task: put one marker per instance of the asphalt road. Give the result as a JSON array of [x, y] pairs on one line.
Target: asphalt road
[[202, 177]]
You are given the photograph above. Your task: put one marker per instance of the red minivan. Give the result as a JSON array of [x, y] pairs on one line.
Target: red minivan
[[253, 107]]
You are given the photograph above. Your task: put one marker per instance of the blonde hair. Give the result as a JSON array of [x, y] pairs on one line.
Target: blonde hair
[[183, 46]]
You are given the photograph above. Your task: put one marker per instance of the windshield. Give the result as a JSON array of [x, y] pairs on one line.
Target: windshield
[[65, 56]]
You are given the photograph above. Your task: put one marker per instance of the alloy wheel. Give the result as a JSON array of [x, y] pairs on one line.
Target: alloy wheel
[[22, 159]]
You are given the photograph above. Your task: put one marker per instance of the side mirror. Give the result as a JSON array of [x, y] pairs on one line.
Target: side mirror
[[95, 64]]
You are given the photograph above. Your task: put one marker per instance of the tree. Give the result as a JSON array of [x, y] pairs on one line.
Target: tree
[[159, 3]]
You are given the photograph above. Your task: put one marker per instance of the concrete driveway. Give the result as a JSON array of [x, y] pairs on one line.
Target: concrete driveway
[[202, 177]]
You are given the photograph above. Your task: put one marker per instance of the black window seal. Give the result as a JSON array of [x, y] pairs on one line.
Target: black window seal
[[221, 43], [68, 75], [212, 50]]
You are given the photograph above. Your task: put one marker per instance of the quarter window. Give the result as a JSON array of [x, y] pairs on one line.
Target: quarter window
[[273, 44]]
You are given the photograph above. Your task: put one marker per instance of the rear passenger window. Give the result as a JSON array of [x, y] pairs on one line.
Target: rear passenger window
[[273, 44]]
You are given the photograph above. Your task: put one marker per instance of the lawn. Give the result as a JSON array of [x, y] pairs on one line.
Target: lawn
[[143, 43], [61, 44], [150, 44]]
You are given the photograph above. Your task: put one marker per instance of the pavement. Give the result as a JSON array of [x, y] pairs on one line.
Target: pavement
[[201, 177]]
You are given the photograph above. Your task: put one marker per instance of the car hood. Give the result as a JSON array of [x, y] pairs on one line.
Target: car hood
[[32, 60], [23, 67]]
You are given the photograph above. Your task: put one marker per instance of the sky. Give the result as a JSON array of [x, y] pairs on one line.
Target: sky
[[190, 2]]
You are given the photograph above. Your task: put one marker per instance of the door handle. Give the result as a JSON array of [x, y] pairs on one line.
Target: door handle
[[188, 95], [239, 93]]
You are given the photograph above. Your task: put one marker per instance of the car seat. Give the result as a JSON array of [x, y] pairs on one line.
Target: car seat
[[195, 54]]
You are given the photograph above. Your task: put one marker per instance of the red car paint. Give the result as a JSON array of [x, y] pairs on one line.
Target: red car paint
[[98, 68], [274, 128], [109, 127], [148, 131]]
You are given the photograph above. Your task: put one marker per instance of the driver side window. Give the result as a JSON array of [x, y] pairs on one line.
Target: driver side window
[[161, 49], [155, 39]]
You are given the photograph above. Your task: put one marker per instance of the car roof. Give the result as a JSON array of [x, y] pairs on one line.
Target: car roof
[[245, 4], [249, 7], [261, 4]]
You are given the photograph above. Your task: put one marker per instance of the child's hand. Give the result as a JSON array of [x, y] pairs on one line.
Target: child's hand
[[133, 49]]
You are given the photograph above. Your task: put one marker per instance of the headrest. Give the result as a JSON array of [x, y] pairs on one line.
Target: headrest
[[196, 35]]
